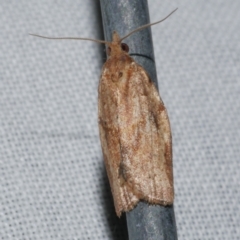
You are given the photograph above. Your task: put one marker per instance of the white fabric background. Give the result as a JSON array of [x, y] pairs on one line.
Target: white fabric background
[[53, 183]]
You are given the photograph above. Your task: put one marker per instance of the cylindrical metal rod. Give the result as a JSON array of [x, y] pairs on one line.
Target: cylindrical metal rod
[[144, 221]]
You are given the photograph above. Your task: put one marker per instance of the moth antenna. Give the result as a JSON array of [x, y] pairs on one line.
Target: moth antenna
[[148, 25], [70, 38]]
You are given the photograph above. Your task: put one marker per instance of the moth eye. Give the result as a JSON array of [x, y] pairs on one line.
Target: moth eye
[[124, 47], [109, 51]]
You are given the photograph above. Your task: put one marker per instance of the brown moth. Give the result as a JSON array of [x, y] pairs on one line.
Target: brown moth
[[135, 133], [134, 130]]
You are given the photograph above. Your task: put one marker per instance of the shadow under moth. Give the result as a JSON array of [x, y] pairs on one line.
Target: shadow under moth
[[134, 129]]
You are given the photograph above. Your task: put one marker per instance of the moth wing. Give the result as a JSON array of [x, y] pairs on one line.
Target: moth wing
[[145, 141], [108, 112], [136, 139]]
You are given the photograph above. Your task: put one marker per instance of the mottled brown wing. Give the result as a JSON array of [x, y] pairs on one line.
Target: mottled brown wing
[[145, 140], [108, 114], [136, 139]]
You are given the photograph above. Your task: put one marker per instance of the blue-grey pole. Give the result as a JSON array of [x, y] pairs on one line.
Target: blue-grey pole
[[145, 221]]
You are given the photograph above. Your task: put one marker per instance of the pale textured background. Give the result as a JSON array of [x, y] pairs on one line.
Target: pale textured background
[[52, 179]]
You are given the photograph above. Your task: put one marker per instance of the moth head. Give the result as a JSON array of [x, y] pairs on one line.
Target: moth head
[[116, 46]]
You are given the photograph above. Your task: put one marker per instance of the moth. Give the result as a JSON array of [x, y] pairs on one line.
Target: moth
[[134, 130]]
